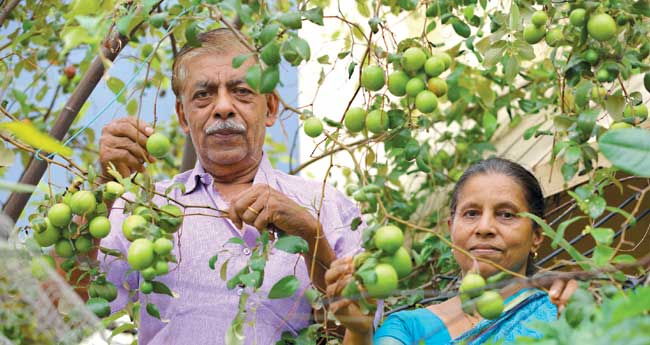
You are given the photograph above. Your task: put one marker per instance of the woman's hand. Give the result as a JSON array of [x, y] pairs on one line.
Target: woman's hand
[[561, 291], [337, 277]]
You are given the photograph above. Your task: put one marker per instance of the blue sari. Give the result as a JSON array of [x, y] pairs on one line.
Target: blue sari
[[421, 326]]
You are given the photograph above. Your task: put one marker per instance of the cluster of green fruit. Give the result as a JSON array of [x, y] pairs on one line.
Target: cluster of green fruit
[[600, 26], [416, 77], [474, 296], [392, 262]]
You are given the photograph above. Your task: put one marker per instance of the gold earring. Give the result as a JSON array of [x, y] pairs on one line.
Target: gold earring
[[535, 255]]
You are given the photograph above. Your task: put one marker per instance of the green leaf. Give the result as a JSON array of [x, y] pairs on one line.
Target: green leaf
[[314, 15], [362, 8], [292, 244], [628, 149], [285, 287], [602, 235], [291, 20], [561, 229], [239, 60], [624, 259], [511, 69], [132, 107], [123, 25], [596, 206], [16, 187], [572, 154], [602, 255], [212, 261], [615, 105], [513, 18], [161, 288], [270, 79], [224, 270], [549, 232], [568, 171], [628, 217], [251, 279], [461, 28], [235, 240], [351, 67], [192, 35], [30, 135], [254, 76], [153, 310]]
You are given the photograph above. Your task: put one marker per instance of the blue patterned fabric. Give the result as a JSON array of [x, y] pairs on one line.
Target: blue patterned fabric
[[421, 326]]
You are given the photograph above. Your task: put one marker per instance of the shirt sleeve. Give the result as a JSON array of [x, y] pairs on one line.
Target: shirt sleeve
[[116, 269], [393, 331]]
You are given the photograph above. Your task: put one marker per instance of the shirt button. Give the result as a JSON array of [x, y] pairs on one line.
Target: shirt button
[[239, 291], [247, 251]]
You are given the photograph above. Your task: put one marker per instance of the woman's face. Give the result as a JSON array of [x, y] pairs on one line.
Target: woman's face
[[487, 226]]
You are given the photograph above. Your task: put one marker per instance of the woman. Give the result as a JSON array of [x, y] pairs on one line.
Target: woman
[[484, 221]]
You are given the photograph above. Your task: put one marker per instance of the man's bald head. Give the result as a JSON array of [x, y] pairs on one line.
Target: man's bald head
[[217, 41]]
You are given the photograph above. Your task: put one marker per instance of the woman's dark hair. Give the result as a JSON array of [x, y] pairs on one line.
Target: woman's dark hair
[[525, 179]]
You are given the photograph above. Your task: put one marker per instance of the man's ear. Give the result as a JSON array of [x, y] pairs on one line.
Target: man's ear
[[181, 117], [272, 107]]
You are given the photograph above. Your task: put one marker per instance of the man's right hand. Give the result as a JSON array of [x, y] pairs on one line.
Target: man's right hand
[[123, 143]]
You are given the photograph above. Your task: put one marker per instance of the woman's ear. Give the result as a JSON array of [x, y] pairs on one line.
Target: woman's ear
[[538, 238], [182, 120]]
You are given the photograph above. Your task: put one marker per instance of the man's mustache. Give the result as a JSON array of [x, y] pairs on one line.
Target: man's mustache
[[226, 125]]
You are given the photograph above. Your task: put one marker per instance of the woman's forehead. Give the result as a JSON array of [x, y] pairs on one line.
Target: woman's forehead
[[492, 187]]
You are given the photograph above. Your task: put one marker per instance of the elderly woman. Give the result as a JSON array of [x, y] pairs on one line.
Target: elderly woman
[[484, 222]]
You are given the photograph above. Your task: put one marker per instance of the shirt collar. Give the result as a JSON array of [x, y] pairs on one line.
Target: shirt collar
[[265, 174]]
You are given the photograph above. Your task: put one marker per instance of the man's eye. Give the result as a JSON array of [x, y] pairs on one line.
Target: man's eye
[[471, 213], [201, 94], [242, 91]]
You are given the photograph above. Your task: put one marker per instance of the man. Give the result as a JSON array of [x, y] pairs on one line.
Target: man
[[227, 121]]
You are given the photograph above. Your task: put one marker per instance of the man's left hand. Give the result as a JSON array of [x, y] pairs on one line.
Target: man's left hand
[[261, 206]]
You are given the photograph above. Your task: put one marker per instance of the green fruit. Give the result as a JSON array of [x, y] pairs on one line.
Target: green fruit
[[413, 59], [601, 26], [113, 190], [313, 127], [372, 78], [140, 254], [591, 56], [291, 20], [350, 189], [60, 215], [99, 306], [38, 224], [434, 66], [554, 37], [602, 75], [83, 202], [385, 283], [401, 262], [598, 92], [157, 20], [389, 238], [171, 218], [426, 101], [472, 284], [490, 305], [534, 34], [446, 59], [99, 227], [355, 119], [415, 86], [377, 121], [105, 290], [158, 145], [148, 273], [163, 246], [577, 17], [641, 111], [437, 86], [83, 244], [397, 83], [40, 264], [48, 237], [146, 287], [161, 268], [64, 248], [620, 125], [131, 223], [539, 18]]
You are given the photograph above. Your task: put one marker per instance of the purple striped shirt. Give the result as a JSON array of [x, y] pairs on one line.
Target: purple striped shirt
[[204, 308]]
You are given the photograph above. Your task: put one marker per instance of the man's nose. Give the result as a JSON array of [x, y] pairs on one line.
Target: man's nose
[[223, 106]]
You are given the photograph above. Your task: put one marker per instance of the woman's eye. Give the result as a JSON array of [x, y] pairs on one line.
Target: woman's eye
[[507, 215]]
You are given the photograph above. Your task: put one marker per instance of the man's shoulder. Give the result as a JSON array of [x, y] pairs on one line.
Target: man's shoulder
[[182, 178]]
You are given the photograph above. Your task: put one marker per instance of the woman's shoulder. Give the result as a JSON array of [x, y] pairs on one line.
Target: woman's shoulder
[[412, 326]]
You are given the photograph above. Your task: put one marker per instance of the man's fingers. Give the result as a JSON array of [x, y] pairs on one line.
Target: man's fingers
[[337, 269], [339, 305], [252, 214], [135, 134]]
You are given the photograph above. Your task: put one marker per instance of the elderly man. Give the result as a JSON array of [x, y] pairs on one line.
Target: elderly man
[[227, 121]]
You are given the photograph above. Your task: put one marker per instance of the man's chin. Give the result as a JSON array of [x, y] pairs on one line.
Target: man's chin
[[227, 158]]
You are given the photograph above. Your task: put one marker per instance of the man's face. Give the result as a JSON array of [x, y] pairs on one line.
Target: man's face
[[225, 116]]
